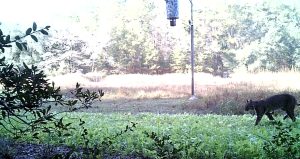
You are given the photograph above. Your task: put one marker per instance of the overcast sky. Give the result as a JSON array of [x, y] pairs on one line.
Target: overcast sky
[[38, 10], [46, 12]]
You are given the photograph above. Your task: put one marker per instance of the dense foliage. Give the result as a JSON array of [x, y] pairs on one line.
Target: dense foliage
[[26, 95], [25, 90], [134, 37], [183, 136]]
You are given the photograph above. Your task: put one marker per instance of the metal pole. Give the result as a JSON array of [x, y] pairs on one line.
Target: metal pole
[[192, 52]]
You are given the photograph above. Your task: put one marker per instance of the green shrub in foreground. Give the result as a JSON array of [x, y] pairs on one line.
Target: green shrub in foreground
[[185, 136], [284, 142]]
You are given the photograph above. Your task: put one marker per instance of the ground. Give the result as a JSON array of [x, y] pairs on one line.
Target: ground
[[42, 151], [158, 106]]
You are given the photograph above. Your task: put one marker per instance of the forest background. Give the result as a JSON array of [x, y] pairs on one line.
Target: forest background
[[134, 36]]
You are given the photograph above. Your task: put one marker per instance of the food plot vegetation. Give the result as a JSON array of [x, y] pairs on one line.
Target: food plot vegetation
[[181, 136]]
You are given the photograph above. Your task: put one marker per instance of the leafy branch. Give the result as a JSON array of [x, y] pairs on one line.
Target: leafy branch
[[6, 41], [27, 96], [283, 144], [85, 97]]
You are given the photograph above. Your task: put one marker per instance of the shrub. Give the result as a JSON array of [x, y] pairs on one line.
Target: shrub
[[283, 144], [26, 96]]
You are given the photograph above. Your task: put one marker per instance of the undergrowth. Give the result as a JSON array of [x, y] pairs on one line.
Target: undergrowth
[[180, 136]]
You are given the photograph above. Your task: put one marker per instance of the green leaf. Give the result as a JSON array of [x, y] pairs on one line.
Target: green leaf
[[48, 109], [17, 37], [19, 45], [7, 39], [74, 102], [2, 40], [35, 135], [34, 26], [3, 114], [1, 33], [67, 134], [47, 27], [25, 45], [44, 32], [38, 114], [34, 38], [26, 67], [28, 31]]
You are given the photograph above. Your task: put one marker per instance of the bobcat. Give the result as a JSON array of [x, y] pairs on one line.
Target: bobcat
[[285, 102]]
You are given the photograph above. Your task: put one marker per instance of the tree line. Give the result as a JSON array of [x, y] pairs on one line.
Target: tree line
[[236, 37]]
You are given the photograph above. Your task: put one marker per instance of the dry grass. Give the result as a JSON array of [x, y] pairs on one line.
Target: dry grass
[[138, 86], [217, 94]]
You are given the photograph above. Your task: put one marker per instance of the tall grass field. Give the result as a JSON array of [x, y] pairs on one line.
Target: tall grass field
[[215, 94]]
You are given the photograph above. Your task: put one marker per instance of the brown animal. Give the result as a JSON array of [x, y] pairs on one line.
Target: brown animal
[[285, 102]]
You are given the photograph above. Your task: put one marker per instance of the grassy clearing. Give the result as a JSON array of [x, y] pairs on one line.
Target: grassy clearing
[[217, 95], [139, 86]]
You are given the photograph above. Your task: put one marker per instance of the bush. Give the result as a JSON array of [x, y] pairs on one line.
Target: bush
[[283, 144], [26, 96]]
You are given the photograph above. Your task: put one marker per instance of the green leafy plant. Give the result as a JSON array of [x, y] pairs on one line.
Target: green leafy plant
[[109, 140], [85, 97], [99, 149], [164, 146], [283, 143], [26, 96], [26, 99], [6, 40]]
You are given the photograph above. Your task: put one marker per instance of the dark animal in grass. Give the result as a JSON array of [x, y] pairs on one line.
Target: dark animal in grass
[[285, 102]]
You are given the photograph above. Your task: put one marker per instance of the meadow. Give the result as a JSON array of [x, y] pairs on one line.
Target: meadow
[[169, 93], [151, 116]]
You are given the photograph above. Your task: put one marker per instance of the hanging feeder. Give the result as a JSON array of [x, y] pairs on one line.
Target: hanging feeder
[[172, 11]]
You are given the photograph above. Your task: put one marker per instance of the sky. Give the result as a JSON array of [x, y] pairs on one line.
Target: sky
[[55, 12], [48, 10], [24, 11]]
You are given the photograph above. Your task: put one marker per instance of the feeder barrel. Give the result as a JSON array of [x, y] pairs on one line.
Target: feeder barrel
[[172, 9]]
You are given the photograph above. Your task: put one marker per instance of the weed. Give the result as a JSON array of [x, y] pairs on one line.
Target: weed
[[164, 146], [283, 143]]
